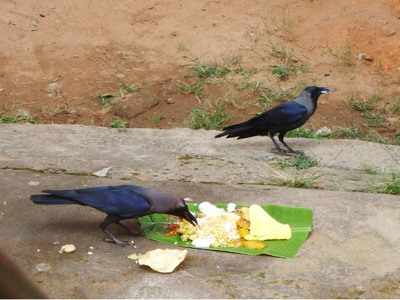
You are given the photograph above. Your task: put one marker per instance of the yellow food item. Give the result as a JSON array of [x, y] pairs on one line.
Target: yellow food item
[[187, 230], [243, 232], [253, 244], [244, 213], [264, 227], [216, 231]]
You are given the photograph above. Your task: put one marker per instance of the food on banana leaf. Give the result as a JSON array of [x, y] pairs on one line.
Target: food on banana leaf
[[234, 227], [264, 227]]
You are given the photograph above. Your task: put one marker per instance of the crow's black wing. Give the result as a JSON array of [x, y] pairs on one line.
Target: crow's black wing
[[282, 116], [124, 200]]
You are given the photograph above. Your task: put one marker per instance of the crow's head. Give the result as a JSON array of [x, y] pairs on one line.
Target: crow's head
[[182, 210], [315, 91], [167, 203]]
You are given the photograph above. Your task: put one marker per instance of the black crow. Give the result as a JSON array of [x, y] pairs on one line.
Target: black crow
[[280, 119], [119, 203]]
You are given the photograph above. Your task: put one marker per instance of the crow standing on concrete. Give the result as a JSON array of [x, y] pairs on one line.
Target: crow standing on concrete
[[280, 119], [119, 203]]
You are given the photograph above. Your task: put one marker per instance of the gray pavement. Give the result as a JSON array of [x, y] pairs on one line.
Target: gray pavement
[[352, 252]]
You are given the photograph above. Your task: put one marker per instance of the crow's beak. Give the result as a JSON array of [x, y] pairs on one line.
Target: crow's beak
[[325, 90], [187, 215]]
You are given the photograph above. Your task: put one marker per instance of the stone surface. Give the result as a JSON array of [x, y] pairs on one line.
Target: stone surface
[[353, 250], [186, 155]]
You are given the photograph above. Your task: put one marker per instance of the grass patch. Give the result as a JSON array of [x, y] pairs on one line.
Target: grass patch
[[367, 108], [374, 119], [281, 71], [284, 54], [300, 162], [303, 133], [214, 119], [195, 88], [337, 133], [204, 71], [352, 133], [119, 123], [124, 89], [284, 71], [156, 120], [373, 136], [392, 186], [346, 133], [362, 105], [299, 182], [288, 64], [397, 138], [395, 107], [267, 96], [370, 169], [105, 99], [7, 119]]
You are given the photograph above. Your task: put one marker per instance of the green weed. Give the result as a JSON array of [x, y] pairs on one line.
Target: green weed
[[369, 169], [395, 107], [346, 133], [118, 123], [281, 71], [288, 65], [195, 88], [300, 162], [397, 138], [105, 99], [204, 71], [8, 119], [374, 119], [299, 182], [373, 136], [208, 120], [303, 133], [124, 89], [392, 186], [157, 119], [361, 105]]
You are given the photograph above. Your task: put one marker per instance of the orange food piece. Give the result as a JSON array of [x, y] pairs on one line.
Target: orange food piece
[[242, 223], [253, 244], [172, 229]]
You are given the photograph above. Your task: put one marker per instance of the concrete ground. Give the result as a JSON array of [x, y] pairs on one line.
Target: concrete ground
[[353, 250]]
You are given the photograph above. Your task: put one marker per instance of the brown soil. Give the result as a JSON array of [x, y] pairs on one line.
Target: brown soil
[[57, 56]]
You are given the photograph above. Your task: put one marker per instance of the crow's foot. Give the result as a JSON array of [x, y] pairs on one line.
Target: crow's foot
[[280, 151], [116, 241], [298, 152], [130, 231]]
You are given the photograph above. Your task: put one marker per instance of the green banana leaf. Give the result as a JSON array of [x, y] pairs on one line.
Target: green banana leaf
[[155, 228]]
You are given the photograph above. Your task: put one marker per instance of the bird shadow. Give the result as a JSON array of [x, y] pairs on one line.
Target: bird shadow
[[71, 226]]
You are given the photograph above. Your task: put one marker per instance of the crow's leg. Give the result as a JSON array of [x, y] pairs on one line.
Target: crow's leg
[[131, 232], [111, 237], [279, 149], [281, 136]]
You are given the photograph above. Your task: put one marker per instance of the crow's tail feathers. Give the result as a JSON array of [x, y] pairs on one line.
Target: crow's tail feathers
[[50, 200], [240, 131]]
